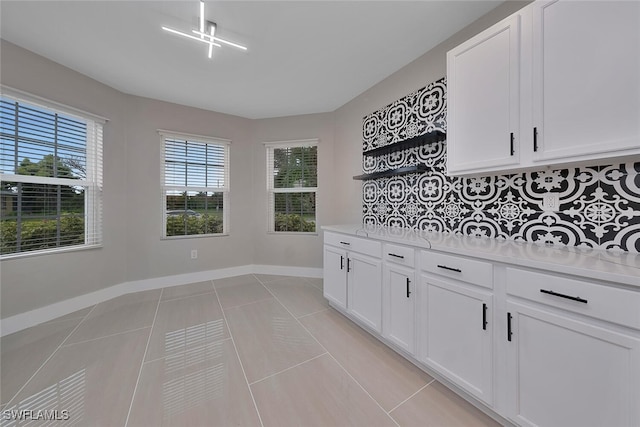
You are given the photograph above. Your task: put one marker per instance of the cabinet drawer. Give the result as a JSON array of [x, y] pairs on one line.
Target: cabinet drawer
[[399, 254], [611, 304], [477, 272], [364, 246]]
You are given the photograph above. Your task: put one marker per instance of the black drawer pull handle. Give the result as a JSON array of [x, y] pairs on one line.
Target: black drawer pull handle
[[509, 333], [408, 291], [346, 243], [535, 139], [457, 270], [512, 151], [484, 316], [555, 294], [397, 256]]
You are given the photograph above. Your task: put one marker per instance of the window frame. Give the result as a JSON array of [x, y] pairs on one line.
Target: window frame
[[201, 139], [271, 190], [93, 182]]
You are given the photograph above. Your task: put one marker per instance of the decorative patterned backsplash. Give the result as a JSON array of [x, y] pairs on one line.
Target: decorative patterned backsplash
[[599, 206]]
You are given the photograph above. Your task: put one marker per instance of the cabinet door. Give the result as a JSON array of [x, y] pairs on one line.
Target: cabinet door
[[586, 78], [365, 290], [455, 334], [483, 99], [399, 306], [565, 372], [335, 276]]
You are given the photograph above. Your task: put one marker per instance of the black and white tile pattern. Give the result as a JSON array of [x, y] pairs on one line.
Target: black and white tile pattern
[[599, 205]]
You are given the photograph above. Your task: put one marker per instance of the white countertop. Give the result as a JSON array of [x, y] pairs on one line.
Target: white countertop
[[617, 267]]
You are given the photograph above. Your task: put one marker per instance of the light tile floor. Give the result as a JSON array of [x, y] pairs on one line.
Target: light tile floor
[[253, 350]]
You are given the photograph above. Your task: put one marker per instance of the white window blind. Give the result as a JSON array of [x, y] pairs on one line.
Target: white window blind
[[292, 184], [195, 185], [51, 173]]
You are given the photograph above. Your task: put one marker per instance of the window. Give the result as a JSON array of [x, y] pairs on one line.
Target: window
[[292, 183], [51, 173], [195, 185]]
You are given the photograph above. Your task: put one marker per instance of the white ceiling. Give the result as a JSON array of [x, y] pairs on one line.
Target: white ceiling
[[303, 57]]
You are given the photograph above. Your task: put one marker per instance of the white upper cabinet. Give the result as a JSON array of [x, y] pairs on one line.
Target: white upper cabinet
[[566, 85], [483, 99], [586, 79]]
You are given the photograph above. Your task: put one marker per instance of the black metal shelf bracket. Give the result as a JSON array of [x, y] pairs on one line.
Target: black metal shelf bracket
[[393, 172], [417, 141], [427, 138]]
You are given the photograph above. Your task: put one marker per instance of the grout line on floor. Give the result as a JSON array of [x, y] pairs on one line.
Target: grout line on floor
[[60, 319], [311, 283], [183, 351], [247, 282], [331, 355], [408, 398], [243, 305], [105, 336], [289, 368], [189, 296], [280, 277], [50, 356], [135, 389], [233, 341], [311, 314]]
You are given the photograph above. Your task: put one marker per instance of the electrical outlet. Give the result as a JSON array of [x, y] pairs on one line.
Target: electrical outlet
[[550, 202], [194, 254]]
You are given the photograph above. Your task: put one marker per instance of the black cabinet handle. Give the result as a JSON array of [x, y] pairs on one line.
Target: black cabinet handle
[[535, 139], [512, 152], [346, 243], [555, 294], [457, 270], [408, 291], [397, 256], [509, 333], [341, 262], [348, 265], [484, 316]]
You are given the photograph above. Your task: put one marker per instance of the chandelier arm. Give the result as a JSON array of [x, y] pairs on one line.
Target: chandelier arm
[[208, 37], [180, 33]]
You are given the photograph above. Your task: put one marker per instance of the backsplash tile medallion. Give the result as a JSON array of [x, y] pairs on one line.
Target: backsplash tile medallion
[[599, 206]]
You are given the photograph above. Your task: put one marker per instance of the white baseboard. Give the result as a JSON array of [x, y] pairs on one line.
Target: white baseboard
[[31, 318], [282, 270]]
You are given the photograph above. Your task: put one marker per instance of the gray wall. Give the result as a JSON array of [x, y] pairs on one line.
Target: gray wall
[[149, 256], [31, 282], [132, 247], [288, 249]]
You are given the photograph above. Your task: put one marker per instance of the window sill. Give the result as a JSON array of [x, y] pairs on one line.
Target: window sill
[[193, 236], [49, 252], [293, 233]]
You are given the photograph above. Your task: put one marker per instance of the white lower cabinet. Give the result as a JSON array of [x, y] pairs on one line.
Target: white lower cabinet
[[539, 348], [353, 277], [566, 372], [335, 276], [399, 298], [365, 290], [456, 334]]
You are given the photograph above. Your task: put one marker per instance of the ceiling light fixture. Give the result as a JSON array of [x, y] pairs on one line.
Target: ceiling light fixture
[[209, 36]]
